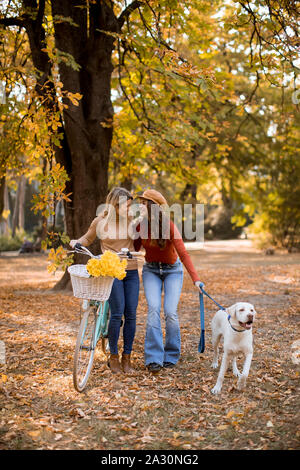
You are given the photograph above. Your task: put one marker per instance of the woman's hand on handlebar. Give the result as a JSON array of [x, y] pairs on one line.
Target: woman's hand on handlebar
[[73, 243]]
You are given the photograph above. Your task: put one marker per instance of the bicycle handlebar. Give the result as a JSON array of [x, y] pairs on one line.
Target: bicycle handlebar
[[125, 253], [78, 248]]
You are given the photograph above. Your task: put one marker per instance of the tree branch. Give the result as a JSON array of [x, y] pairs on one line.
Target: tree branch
[[13, 21], [41, 11], [127, 12]]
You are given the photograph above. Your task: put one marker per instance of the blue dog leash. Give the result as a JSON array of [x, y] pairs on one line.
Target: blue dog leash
[[201, 345]]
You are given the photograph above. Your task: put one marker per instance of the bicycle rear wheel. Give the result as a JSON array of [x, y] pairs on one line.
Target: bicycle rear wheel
[[84, 349]]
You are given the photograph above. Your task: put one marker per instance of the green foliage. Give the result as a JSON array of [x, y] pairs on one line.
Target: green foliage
[[278, 208], [52, 187], [9, 243]]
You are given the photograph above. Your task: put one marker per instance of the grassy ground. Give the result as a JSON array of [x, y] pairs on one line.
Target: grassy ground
[[39, 408]]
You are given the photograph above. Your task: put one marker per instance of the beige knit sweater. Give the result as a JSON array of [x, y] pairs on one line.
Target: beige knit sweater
[[112, 242]]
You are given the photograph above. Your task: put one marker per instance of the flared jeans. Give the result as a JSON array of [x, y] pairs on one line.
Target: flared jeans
[[159, 277]]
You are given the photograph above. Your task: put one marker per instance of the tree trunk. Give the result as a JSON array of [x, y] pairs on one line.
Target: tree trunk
[[21, 217], [88, 127], [16, 211], [4, 208], [189, 193], [18, 214], [83, 31], [2, 190]]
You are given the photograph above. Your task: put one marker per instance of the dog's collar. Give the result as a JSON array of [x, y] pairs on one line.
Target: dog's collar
[[238, 331]]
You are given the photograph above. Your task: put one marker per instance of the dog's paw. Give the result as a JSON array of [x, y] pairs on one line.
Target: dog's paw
[[214, 364], [236, 372], [216, 390], [241, 382]]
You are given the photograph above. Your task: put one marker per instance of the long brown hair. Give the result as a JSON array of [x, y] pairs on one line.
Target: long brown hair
[[112, 203], [161, 231]]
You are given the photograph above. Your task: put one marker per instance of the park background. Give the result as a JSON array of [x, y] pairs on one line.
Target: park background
[[198, 99]]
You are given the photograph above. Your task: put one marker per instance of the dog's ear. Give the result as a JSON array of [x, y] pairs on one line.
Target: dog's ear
[[231, 310]]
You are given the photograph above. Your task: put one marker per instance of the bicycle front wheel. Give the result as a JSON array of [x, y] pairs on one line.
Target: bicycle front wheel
[[84, 349]]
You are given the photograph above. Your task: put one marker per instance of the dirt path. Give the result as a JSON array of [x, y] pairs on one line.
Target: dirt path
[[174, 410]]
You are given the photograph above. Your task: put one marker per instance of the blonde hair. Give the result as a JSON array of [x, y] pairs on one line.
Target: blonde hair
[[112, 202]]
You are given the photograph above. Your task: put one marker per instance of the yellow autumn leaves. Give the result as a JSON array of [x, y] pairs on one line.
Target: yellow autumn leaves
[[108, 265], [59, 259]]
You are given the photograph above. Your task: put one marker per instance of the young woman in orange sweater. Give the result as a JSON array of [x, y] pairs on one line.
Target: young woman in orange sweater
[[163, 269]]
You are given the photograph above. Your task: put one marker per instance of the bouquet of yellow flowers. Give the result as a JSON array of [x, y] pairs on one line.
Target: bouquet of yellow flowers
[[108, 265]]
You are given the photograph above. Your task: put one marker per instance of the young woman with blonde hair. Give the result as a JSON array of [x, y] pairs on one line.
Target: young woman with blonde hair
[[111, 226]]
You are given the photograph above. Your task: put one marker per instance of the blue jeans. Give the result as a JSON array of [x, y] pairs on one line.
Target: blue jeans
[[123, 300], [155, 277]]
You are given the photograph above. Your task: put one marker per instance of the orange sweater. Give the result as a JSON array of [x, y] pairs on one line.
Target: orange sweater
[[174, 247]]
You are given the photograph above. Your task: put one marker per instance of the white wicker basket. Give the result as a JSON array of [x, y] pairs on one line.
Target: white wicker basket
[[86, 287]]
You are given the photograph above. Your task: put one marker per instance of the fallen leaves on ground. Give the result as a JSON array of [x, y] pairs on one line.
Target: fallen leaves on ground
[[173, 410]]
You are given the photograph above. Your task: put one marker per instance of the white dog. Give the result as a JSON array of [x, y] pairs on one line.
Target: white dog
[[235, 325]]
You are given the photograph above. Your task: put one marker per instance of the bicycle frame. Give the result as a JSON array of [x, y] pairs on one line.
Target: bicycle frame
[[101, 327]]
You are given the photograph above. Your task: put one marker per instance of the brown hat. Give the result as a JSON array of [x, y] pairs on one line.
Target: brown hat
[[154, 196]]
